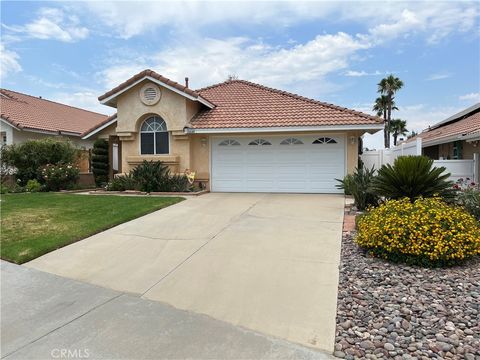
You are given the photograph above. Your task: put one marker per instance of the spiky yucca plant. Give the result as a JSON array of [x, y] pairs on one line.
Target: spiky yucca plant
[[412, 177]]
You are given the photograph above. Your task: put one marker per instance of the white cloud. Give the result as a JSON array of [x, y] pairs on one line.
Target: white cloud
[[9, 62], [86, 99], [389, 21], [52, 23], [439, 76], [474, 97], [212, 60], [355, 73]]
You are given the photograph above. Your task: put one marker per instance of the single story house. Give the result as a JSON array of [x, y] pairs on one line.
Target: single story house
[[455, 138], [24, 117], [237, 136]]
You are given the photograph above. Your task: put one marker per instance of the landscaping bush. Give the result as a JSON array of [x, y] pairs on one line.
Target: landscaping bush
[[60, 177], [179, 183], [100, 163], [33, 186], [358, 184], [346, 184], [122, 183], [29, 157], [468, 196], [152, 176], [426, 232], [412, 177]]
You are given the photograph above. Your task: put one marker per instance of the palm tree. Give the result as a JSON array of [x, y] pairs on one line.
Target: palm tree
[[398, 127], [389, 86], [381, 108]]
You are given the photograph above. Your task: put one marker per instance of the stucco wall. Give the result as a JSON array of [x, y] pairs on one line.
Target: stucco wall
[[175, 109]]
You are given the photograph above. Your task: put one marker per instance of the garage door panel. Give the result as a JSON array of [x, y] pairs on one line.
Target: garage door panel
[[298, 168]]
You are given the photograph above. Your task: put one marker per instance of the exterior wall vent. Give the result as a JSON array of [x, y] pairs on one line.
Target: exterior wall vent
[[150, 94]]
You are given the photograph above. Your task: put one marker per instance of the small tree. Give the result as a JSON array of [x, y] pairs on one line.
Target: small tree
[[100, 164]]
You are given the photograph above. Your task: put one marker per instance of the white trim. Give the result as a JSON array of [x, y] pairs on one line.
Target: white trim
[[9, 124], [283, 129], [161, 83], [100, 128]]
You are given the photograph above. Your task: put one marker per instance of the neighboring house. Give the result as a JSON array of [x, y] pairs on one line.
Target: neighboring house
[[237, 136], [455, 138], [25, 117]]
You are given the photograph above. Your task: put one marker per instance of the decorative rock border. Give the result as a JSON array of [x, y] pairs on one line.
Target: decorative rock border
[[387, 310]]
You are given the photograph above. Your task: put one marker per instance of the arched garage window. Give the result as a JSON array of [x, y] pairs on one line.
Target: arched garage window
[[325, 140], [154, 136]]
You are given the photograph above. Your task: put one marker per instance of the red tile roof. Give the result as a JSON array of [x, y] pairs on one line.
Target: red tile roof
[[463, 127], [29, 112], [243, 104], [152, 74]]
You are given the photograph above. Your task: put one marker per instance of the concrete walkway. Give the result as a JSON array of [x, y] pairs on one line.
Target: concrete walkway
[[266, 262], [45, 316]]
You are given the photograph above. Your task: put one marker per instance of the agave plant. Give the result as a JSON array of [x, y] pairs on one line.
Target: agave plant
[[358, 184], [412, 177]]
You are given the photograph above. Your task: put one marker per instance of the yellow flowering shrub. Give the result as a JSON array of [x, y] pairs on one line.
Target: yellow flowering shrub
[[427, 232]]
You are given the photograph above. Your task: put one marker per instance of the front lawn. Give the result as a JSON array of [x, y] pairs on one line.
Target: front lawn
[[33, 224]]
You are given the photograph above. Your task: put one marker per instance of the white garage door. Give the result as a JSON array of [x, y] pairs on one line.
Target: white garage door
[[294, 164]]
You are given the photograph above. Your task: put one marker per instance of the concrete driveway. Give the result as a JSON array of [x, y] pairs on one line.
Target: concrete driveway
[[266, 262]]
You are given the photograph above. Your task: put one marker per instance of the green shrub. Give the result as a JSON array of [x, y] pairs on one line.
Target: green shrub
[[60, 177], [30, 156], [152, 176], [33, 186], [358, 185], [179, 183], [412, 177], [346, 184], [122, 183], [426, 232], [470, 200], [100, 163]]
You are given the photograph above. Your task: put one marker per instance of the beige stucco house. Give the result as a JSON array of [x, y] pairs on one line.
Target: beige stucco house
[[236, 136]]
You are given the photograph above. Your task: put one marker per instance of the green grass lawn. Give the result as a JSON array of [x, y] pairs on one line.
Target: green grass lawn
[[35, 224]]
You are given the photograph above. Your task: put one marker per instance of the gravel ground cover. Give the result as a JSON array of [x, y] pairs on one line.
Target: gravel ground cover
[[394, 311]]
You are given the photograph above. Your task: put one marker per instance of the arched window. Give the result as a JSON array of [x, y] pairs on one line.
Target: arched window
[[229, 142], [291, 141], [154, 136], [259, 142], [325, 140]]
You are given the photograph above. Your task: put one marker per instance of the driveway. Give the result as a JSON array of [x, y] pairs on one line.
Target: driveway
[[266, 262], [45, 316]]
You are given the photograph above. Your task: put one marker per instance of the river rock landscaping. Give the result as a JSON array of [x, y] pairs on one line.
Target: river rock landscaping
[[388, 310]]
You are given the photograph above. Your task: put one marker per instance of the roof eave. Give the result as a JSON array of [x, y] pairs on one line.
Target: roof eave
[[112, 99], [90, 133], [371, 128]]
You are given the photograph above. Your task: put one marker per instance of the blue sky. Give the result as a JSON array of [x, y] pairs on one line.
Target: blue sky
[[336, 52]]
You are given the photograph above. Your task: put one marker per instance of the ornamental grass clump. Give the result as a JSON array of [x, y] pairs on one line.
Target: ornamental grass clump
[[426, 232]]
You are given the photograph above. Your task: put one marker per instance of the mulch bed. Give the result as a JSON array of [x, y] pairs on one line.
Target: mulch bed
[[396, 311]]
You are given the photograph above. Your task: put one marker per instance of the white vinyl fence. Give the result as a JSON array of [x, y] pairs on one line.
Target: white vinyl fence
[[457, 168]]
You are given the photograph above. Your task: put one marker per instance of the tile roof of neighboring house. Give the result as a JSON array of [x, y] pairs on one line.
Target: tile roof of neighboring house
[[465, 127], [243, 104], [153, 75], [33, 113], [97, 126]]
